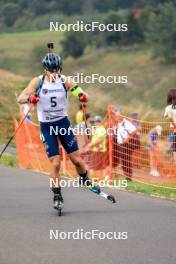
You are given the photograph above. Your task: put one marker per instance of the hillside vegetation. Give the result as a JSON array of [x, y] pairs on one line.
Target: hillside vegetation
[[17, 50], [30, 15], [148, 80]]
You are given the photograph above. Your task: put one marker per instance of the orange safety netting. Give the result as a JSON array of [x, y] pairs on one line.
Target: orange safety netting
[[147, 156]]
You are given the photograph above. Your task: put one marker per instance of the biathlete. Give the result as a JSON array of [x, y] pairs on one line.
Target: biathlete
[[49, 93]]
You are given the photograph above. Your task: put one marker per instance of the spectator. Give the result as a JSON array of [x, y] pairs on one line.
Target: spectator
[[80, 114], [98, 147], [134, 120], [154, 150], [171, 141], [170, 113], [81, 127], [125, 135], [169, 96], [136, 155], [170, 105], [98, 142], [83, 132], [115, 155]]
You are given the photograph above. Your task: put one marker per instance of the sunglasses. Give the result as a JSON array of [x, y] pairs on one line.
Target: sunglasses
[[54, 71]]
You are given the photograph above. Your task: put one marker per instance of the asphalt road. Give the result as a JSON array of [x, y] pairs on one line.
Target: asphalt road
[[26, 218]]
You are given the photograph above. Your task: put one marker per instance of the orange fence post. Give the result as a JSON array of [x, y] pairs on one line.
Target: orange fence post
[[110, 142]]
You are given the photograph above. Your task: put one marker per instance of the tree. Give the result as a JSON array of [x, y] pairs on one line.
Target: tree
[[10, 12], [134, 33], [145, 16], [112, 37], [104, 6], [161, 32]]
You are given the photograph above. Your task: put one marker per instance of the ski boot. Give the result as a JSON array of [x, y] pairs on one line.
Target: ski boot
[[85, 181]]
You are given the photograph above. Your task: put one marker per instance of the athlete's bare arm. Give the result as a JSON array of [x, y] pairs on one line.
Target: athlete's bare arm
[[29, 90], [69, 83], [76, 90]]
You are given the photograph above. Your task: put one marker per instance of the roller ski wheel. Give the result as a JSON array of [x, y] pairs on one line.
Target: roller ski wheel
[[111, 198], [58, 204], [60, 212]]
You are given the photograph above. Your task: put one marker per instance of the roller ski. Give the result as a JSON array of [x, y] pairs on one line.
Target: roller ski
[[58, 201], [85, 181], [58, 204]]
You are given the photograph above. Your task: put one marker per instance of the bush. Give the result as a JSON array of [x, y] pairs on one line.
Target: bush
[[74, 44]]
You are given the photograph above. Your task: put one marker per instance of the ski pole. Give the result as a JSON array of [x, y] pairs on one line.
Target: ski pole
[[14, 134], [84, 116]]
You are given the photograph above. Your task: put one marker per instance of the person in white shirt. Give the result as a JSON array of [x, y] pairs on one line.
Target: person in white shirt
[[170, 113], [171, 93], [126, 141], [153, 149]]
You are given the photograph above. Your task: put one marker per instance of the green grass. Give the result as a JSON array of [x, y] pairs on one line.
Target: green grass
[[16, 49], [163, 192], [6, 131], [9, 85], [9, 160]]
